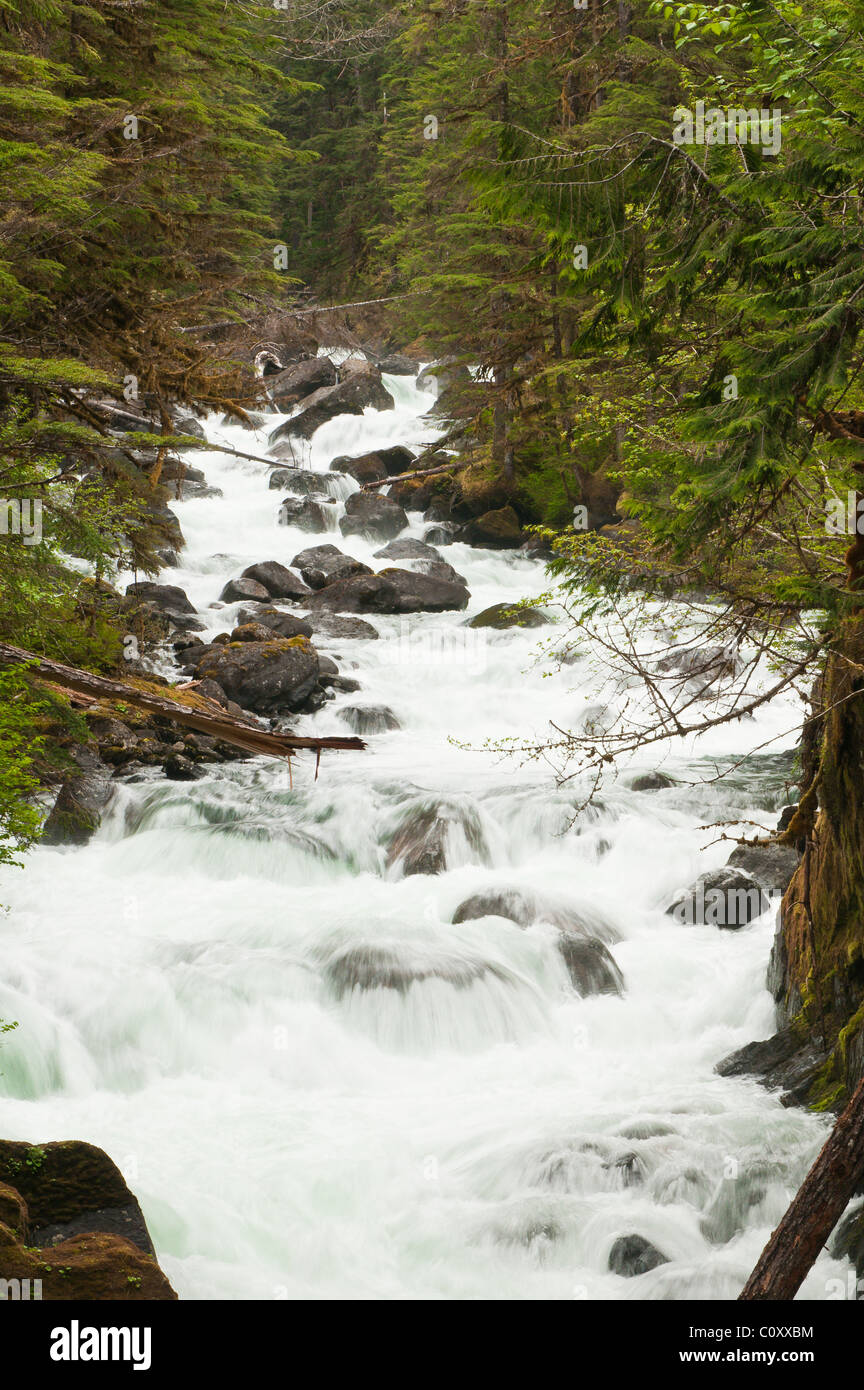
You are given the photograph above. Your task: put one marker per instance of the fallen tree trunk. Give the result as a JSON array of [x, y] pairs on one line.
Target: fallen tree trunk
[[219, 723], [790, 1253], [417, 473]]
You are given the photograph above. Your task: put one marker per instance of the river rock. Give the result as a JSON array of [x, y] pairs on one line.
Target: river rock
[[721, 898], [495, 530], [236, 590], [297, 382], [340, 628], [632, 1255], [651, 782], [356, 393], [772, 866], [277, 580], [397, 364], [439, 376], [369, 719], [313, 513], [404, 548], [253, 632], [443, 534], [376, 518], [431, 833], [77, 811], [274, 620], [321, 565], [366, 468], [392, 591], [590, 965], [503, 615], [375, 966], [168, 597], [275, 677], [524, 907]]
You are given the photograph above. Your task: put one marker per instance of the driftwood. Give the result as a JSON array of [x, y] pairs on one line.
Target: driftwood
[[789, 1255], [417, 473], [219, 724]]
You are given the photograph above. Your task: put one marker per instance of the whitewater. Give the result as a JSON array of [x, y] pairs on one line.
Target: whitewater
[[486, 1139]]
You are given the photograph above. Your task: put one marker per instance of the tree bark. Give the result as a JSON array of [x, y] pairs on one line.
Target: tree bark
[[790, 1253], [220, 724]]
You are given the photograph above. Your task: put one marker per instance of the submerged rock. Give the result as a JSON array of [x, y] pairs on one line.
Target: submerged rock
[[590, 965], [367, 966], [369, 719], [429, 835], [651, 782], [632, 1255], [524, 907]]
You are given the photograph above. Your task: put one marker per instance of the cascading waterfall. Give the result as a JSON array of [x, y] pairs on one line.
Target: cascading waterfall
[[317, 1083]]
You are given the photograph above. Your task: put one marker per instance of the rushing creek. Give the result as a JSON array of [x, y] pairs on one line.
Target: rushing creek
[[485, 1136]]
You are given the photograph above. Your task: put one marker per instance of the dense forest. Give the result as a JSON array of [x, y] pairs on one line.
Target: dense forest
[[631, 235]]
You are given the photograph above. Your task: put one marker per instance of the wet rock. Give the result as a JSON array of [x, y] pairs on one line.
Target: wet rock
[[368, 966], [440, 376], [703, 665], [725, 898], [369, 719], [184, 622], [632, 1255], [365, 468], [297, 382], [786, 1061], [275, 677], [651, 782], [397, 364], [254, 632], [179, 768], [346, 684], [523, 907], [77, 812], [303, 482], [164, 596], [628, 1168], [442, 534], [238, 589], [313, 513], [396, 460], [321, 565], [429, 835], [340, 628], [376, 518], [254, 420], [590, 965], [392, 591], [274, 620], [502, 615], [277, 580], [69, 1188], [85, 1268], [727, 1214], [772, 866], [439, 569], [495, 530], [407, 549], [167, 528], [351, 396], [187, 424], [117, 743], [177, 470]]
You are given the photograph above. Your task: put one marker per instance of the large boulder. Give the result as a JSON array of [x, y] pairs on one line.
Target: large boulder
[[376, 518], [772, 866], [397, 459], [313, 513], [297, 382], [321, 565], [369, 719], [275, 677], [304, 482], [359, 391], [365, 468], [495, 530], [397, 364], [238, 590], [339, 628], [392, 591], [407, 549], [169, 597], [277, 580], [726, 898], [77, 812], [502, 615], [274, 620]]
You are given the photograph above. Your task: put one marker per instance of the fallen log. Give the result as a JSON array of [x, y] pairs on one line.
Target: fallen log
[[824, 1194], [195, 715], [417, 473]]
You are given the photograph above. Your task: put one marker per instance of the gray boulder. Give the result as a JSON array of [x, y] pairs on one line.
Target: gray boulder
[[277, 580], [392, 591], [238, 589], [275, 677], [376, 518], [168, 597], [352, 396], [313, 513], [321, 565]]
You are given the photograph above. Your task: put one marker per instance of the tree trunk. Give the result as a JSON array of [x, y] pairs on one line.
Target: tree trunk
[[219, 723], [815, 1211]]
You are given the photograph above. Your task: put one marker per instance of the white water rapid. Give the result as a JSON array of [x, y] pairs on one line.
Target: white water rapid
[[488, 1138]]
